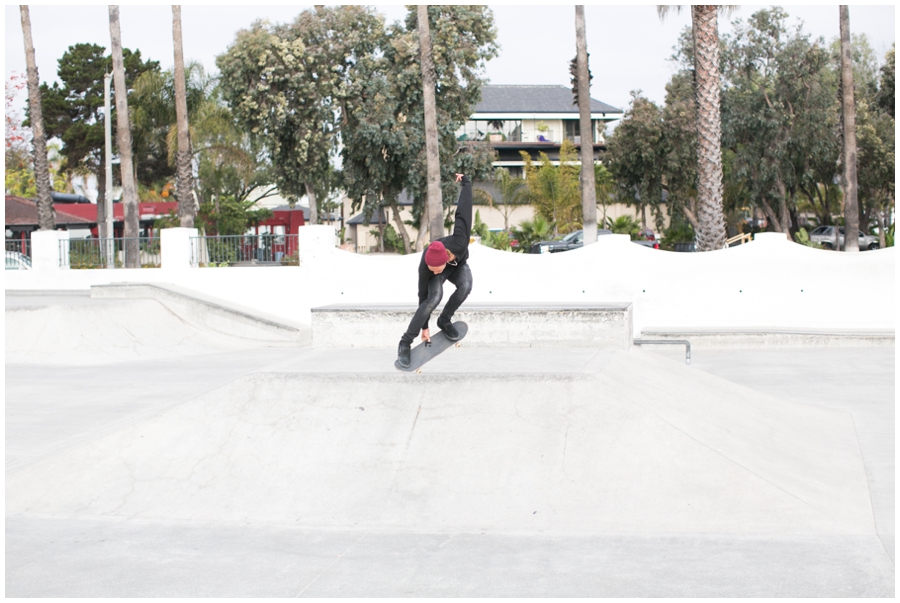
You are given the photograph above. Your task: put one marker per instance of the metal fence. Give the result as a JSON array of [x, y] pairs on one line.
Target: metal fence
[[245, 250], [132, 252], [22, 246]]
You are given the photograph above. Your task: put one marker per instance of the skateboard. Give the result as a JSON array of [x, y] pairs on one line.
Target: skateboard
[[425, 351]]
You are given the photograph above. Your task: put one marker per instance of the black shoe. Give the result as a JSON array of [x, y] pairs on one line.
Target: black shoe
[[447, 327], [403, 354]]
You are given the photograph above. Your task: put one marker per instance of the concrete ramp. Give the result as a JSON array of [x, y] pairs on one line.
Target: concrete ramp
[[99, 332], [608, 450]]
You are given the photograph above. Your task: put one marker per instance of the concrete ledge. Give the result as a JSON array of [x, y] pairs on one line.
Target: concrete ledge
[[211, 313], [546, 325], [740, 337]]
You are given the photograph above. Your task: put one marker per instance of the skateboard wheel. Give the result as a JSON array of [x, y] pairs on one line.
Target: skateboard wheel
[[458, 345], [418, 371]]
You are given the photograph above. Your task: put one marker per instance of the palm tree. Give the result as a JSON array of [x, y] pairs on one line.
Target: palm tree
[[512, 194], [583, 77], [711, 218], [184, 185], [433, 206], [851, 203], [39, 138], [126, 164]]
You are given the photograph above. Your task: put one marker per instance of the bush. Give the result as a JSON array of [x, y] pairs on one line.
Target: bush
[[677, 232]]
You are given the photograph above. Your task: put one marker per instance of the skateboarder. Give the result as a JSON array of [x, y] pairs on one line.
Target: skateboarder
[[443, 260]]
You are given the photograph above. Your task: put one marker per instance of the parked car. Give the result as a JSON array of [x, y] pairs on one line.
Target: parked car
[[17, 261], [574, 240], [824, 235]]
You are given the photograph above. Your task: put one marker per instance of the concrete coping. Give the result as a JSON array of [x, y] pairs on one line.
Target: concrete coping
[[195, 297], [484, 307]]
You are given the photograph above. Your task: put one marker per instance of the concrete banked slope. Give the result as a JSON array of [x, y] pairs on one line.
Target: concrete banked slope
[[630, 443]]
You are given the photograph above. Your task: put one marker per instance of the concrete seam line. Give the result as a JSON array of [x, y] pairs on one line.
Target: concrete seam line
[[322, 573]]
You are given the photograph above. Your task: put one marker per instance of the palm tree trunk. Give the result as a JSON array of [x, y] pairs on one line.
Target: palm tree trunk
[[46, 220], [183, 173], [851, 202], [711, 219], [588, 187], [432, 157], [126, 165]]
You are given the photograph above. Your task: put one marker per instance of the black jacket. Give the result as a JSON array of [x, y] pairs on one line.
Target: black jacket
[[457, 243]]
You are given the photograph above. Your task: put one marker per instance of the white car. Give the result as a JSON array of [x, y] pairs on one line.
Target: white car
[[17, 261], [824, 235]]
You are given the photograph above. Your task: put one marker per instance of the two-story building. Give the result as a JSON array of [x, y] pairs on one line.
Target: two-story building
[[534, 119], [510, 119]]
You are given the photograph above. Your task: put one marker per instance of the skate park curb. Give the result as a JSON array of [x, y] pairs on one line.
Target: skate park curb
[[212, 313]]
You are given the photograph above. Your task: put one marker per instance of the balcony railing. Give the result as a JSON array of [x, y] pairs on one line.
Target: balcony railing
[[132, 252], [244, 250], [22, 246]]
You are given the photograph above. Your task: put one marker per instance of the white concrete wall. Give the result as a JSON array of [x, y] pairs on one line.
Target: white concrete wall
[[770, 282]]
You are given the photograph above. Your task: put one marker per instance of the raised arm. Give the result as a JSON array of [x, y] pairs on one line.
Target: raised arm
[[463, 224]]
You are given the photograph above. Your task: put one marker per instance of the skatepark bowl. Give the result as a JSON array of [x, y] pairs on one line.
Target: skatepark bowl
[[152, 455]]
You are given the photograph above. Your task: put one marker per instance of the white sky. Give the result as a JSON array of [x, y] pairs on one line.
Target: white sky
[[630, 46]]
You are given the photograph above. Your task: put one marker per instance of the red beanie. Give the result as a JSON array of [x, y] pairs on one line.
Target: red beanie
[[436, 254]]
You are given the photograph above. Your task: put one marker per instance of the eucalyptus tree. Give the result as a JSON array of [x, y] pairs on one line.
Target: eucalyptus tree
[[848, 112], [285, 83], [184, 185], [39, 138], [780, 118], [129, 191], [583, 100], [383, 122], [710, 218]]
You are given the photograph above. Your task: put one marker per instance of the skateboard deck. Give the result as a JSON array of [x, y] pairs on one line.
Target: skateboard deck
[[424, 352]]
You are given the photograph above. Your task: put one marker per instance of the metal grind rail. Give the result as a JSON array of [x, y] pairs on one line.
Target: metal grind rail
[[684, 342]]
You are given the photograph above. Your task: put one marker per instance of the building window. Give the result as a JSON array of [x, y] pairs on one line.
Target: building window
[[573, 130]]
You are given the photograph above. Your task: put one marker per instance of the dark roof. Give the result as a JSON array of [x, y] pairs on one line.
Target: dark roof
[[377, 217], [534, 99], [23, 212]]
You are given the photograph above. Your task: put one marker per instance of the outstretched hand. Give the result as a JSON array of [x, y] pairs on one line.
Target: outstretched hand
[[426, 335], [459, 177]]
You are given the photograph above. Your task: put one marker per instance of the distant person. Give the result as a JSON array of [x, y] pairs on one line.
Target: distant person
[[443, 260]]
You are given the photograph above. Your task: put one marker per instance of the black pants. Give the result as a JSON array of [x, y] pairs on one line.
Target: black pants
[[462, 278]]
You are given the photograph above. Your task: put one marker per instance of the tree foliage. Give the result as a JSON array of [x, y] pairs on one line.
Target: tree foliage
[[73, 111], [781, 124], [554, 190]]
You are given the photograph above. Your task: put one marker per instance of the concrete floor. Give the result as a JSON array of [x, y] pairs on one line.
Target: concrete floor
[[53, 411]]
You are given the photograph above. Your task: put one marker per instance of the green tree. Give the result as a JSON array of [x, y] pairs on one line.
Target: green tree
[[383, 125], [885, 97], [780, 118], [286, 83], [532, 231], [73, 112], [637, 153], [512, 194], [554, 190]]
